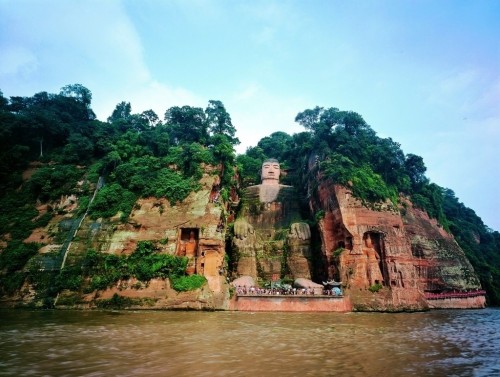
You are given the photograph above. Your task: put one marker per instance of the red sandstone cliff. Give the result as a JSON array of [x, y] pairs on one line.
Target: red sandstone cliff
[[387, 259], [390, 259], [201, 216]]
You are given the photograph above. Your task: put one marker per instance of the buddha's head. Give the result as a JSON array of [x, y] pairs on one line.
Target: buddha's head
[[270, 173]]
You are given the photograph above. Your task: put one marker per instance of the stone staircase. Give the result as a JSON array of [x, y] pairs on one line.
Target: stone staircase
[[55, 260]]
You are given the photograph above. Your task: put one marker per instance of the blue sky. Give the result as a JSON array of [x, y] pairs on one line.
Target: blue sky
[[426, 73]]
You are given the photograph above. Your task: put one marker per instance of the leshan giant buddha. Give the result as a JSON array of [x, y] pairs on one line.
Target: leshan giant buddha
[[270, 239]]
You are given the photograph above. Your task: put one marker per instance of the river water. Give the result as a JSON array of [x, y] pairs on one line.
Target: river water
[[162, 343]]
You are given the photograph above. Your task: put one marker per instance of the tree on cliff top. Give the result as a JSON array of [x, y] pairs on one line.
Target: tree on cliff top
[[219, 121], [187, 124], [80, 93]]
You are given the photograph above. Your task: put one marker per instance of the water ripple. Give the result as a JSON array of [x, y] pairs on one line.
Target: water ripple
[[440, 343]]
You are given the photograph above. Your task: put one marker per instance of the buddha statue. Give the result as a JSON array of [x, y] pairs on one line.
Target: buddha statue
[[372, 256], [269, 237], [190, 247]]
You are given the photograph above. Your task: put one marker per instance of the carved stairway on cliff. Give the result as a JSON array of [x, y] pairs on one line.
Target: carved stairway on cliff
[[55, 261]]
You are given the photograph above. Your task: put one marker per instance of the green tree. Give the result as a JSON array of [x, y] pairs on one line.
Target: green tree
[[110, 200], [187, 124], [223, 152], [122, 118], [415, 168], [79, 149], [158, 140], [249, 165], [150, 118], [219, 121], [80, 93], [277, 145], [3, 101]]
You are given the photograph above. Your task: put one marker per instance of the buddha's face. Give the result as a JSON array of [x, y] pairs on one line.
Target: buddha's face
[[270, 172]]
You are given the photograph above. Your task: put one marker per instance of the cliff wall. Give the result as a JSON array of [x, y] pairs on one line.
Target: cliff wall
[[387, 260], [194, 228]]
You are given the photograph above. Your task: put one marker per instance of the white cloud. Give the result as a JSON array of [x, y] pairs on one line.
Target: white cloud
[[93, 43], [470, 93], [257, 112], [17, 61]]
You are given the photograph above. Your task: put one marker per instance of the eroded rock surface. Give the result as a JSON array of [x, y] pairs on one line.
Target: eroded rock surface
[[385, 260], [194, 228]]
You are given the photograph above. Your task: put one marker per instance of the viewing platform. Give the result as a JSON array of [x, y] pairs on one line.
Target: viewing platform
[[290, 303]]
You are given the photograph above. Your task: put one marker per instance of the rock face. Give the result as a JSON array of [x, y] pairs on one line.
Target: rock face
[[440, 263], [194, 228], [385, 260], [243, 281], [308, 284], [156, 294]]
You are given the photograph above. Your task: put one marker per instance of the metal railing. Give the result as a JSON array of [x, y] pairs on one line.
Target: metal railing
[[439, 296]]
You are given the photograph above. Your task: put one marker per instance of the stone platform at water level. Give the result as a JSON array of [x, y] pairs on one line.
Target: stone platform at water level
[[290, 303]]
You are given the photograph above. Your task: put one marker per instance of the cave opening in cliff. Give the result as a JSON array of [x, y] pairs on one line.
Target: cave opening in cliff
[[189, 233], [188, 242]]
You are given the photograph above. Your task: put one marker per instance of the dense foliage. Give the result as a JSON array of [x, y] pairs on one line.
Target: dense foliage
[[57, 139], [99, 271], [52, 145], [145, 263], [138, 155], [139, 152]]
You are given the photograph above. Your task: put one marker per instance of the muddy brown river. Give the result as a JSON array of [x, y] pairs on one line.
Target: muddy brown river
[[161, 343]]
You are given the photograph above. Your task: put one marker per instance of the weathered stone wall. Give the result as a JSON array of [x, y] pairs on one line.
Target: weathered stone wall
[[441, 264], [156, 294], [397, 257]]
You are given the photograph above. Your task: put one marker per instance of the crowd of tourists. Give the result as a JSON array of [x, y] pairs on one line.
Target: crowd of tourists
[[285, 291]]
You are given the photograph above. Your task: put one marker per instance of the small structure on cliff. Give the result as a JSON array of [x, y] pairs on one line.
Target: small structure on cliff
[[205, 255]]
